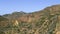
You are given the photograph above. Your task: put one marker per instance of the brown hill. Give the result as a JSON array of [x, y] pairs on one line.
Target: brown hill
[[46, 21]]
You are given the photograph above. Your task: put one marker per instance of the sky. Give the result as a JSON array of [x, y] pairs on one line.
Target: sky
[[9, 6]]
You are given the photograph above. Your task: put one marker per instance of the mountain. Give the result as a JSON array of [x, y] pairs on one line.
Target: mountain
[[14, 14], [3, 24], [46, 21], [3, 21]]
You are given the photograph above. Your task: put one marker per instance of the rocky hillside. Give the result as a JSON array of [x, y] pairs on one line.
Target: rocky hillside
[[46, 21]]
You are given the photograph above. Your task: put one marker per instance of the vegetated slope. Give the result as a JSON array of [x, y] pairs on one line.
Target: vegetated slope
[[46, 21], [4, 23]]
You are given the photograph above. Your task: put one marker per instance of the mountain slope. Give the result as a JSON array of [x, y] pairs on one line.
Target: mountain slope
[[46, 21]]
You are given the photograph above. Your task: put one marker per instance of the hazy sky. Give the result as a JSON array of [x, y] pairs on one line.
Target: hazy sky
[[9, 6]]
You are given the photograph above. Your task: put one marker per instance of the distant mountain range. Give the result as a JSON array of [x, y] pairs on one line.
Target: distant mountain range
[[46, 21]]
